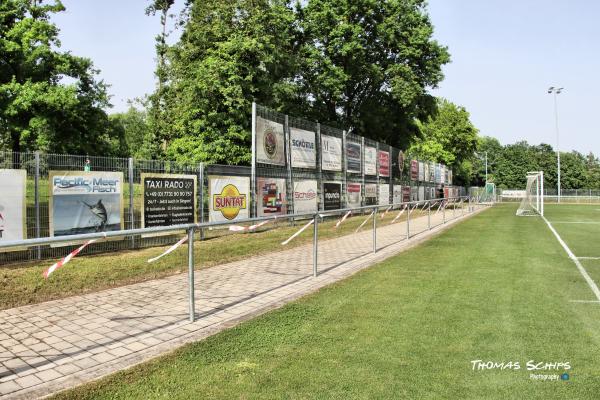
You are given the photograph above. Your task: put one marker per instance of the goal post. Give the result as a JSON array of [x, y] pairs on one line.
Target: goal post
[[532, 203]]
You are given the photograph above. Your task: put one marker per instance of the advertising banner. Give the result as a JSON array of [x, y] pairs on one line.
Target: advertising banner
[[354, 195], [370, 194], [229, 198], [405, 194], [445, 175], [384, 194], [305, 196], [421, 172], [332, 194], [384, 163], [270, 148], [438, 175], [272, 198], [331, 153], [426, 171], [414, 193], [304, 149], [397, 194], [449, 177], [421, 193], [85, 202], [169, 199], [401, 161], [431, 172], [414, 170], [370, 160], [353, 157], [13, 205]]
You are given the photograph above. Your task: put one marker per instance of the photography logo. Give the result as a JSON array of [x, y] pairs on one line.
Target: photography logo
[[270, 143], [229, 202]]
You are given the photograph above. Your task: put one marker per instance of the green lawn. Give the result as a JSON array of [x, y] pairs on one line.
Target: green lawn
[[578, 225], [495, 288]]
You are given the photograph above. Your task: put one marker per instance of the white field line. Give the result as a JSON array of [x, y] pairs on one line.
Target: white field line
[[588, 258], [575, 222], [584, 301], [582, 270]]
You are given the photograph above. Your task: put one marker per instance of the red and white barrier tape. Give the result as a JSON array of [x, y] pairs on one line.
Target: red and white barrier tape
[[365, 221], [439, 207], [299, 232], [68, 258], [343, 219], [399, 214], [385, 212], [238, 228], [170, 249]]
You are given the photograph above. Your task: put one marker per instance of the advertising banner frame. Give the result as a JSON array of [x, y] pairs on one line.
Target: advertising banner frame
[[145, 175], [21, 174]]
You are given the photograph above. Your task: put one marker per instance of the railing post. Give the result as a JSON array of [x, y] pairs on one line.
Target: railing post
[[37, 202], [192, 306], [375, 230], [201, 193], [453, 209], [408, 221], [131, 190], [315, 245], [444, 211], [429, 215]]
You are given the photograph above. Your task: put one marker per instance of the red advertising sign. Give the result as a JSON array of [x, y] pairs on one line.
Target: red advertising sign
[[405, 194], [384, 163], [414, 170]]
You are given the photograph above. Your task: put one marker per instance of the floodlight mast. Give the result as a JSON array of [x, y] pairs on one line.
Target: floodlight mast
[[556, 91]]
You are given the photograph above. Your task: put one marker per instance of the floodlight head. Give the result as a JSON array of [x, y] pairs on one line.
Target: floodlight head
[[550, 89], [559, 90]]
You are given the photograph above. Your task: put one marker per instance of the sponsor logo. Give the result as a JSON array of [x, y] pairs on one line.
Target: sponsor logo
[[270, 142], [229, 202], [353, 151], [94, 185], [332, 196], [301, 143], [308, 195], [401, 161]]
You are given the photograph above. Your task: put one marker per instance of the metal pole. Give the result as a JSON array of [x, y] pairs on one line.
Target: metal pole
[[288, 156], [429, 215], [345, 163], [557, 141], [444, 211], [253, 167], [315, 244], [192, 306], [362, 168], [408, 221], [201, 198], [486, 170], [37, 202], [375, 230], [131, 190], [542, 190], [320, 168]]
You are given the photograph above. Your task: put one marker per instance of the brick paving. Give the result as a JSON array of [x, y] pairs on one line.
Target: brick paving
[[56, 345]]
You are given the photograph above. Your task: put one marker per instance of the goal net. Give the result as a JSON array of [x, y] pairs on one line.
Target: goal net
[[533, 202]]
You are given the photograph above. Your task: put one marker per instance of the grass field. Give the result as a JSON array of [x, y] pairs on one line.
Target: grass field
[[494, 288]]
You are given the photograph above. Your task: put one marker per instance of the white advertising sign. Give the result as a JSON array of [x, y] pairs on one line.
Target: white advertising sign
[[370, 160], [229, 198], [304, 149], [421, 171], [12, 204], [331, 153], [397, 194], [270, 147], [384, 194], [354, 195], [305, 196]]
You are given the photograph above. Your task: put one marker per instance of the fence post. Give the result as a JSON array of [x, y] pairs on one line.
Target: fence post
[[345, 164], [444, 211], [192, 305], [375, 230], [362, 169], [131, 189], [37, 202], [429, 215], [201, 194], [253, 167], [288, 158], [315, 244], [453, 208], [320, 168]]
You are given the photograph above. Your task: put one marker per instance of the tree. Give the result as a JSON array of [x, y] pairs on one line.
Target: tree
[[230, 53], [367, 65], [491, 148], [49, 100], [133, 127], [449, 137]]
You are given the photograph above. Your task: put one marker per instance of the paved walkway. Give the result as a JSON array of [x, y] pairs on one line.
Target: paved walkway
[[52, 346]]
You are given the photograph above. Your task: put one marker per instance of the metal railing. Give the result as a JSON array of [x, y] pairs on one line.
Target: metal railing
[[190, 229]]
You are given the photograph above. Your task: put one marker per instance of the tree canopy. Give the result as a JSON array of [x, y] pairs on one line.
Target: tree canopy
[[49, 100]]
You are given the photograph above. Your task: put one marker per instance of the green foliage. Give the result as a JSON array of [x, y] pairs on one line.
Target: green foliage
[[133, 127], [366, 65], [49, 100], [449, 137]]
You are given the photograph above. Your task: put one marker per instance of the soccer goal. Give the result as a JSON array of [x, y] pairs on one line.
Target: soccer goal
[[533, 202]]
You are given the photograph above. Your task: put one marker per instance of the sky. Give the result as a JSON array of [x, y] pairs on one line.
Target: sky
[[505, 55]]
